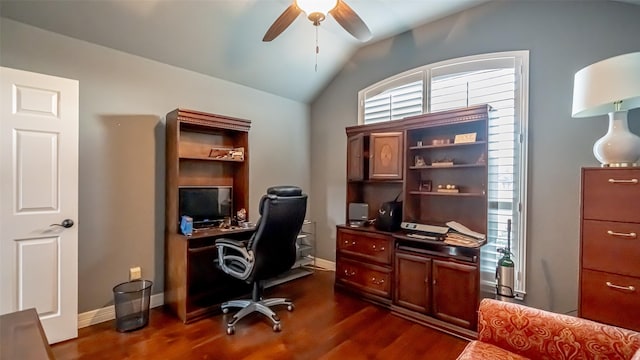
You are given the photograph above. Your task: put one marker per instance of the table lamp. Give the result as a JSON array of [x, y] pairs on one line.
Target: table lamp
[[611, 86]]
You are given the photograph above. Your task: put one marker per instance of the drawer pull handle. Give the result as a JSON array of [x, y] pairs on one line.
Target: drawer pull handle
[[627, 288], [348, 273], [616, 181], [375, 248], [613, 233], [377, 282], [346, 242]]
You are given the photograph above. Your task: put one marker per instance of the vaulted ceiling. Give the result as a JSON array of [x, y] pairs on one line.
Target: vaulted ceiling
[[223, 38]]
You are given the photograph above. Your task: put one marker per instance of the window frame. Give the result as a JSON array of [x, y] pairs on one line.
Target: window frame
[[521, 118]]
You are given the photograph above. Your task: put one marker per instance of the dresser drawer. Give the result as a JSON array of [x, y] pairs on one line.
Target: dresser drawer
[[369, 246], [611, 246], [611, 194], [372, 279], [610, 299]]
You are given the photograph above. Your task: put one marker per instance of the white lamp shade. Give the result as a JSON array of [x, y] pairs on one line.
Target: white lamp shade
[[597, 86], [313, 6]]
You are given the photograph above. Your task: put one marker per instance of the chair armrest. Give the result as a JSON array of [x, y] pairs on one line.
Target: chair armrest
[[234, 243], [234, 258], [540, 334]]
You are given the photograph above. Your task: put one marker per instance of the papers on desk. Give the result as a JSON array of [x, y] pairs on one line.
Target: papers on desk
[[460, 235]]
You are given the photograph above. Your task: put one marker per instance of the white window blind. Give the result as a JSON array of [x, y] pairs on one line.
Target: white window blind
[[499, 80], [394, 99], [493, 82]]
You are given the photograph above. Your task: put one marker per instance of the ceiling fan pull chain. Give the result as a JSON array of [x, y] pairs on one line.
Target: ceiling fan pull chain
[[317, 49]]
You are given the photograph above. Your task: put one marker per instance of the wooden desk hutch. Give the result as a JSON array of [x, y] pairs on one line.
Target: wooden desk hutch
[[426, 281], [194, 288]]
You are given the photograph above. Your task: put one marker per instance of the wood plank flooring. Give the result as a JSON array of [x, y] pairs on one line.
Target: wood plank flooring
[[324, 325]]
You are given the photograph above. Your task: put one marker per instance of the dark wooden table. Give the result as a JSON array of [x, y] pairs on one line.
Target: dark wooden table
[[22, 337]]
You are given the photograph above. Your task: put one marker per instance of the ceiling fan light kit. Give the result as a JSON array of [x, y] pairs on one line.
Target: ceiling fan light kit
[[316, 11]]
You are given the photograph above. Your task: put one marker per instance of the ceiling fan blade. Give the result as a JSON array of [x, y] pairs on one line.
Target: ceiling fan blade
[[350, 21], [282, 22]]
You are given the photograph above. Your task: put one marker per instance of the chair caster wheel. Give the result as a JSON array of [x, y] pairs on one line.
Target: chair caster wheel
[[290, 307], [231, 330], [225, 310], [277, 327]]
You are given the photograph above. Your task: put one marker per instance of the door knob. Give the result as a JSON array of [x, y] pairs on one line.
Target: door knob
[[66, 223]]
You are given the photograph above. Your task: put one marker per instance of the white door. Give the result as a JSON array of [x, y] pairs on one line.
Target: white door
[[39, 188]]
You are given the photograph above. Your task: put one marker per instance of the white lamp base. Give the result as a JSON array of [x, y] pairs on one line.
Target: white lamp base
[[618, 147]]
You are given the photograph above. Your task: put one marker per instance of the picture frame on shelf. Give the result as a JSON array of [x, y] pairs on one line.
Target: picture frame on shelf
[[425, 186], [465, 138], [419, 161]]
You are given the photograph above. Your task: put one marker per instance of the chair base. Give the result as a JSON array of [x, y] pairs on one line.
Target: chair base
[[251, 306]]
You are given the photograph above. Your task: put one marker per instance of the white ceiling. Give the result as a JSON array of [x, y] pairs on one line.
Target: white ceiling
[[223, 38]]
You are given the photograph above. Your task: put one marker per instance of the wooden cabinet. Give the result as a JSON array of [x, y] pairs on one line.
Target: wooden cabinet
[[375, 156], [202, 150], [413, 281], [355, 157], [438, 286], [428, 281], [455, 292], [610, 246], [363, 262], [386, 156]]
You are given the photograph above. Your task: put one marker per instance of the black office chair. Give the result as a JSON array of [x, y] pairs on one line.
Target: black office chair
[[271, 251]]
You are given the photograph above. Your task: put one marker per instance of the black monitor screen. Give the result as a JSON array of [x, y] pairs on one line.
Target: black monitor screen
[[205, 204]]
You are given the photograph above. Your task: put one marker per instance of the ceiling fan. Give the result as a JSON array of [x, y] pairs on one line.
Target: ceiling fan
[[316, 11]]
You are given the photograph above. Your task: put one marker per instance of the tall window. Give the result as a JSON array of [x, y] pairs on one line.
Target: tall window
[[500, 80]]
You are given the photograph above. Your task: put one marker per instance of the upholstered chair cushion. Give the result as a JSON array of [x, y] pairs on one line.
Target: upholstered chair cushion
[[537, 334]]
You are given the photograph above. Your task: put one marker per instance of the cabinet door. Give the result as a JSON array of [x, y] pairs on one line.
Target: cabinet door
[[385, 162], [455, 293], [413, 277], [355, 158]]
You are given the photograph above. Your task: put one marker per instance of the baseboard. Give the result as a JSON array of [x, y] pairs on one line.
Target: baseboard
[[325, 264], [109, 313]]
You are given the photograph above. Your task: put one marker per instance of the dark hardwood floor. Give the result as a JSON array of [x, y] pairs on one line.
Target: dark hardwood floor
[[324, 325]]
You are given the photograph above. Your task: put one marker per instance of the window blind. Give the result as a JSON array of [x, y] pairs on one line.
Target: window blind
[[396, 103], [496, 87]]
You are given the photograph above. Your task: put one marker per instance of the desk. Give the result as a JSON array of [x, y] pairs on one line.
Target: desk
[[22, 337], [194, 286]]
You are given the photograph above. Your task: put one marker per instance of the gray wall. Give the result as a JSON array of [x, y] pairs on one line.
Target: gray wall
[[123, 101], [562, 38]]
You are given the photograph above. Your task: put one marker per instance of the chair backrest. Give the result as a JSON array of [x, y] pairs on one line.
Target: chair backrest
[[282, 212]]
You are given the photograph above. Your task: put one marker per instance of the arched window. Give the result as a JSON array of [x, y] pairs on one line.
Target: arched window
[[497, 79]]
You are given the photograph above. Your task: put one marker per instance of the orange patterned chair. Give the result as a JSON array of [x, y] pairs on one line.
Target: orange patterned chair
[[514, 332]]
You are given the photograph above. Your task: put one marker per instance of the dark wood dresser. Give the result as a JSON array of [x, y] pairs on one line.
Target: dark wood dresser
[[610, 246]]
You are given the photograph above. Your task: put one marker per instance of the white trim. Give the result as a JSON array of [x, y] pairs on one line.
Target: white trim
[[325, 264], [107, 313]]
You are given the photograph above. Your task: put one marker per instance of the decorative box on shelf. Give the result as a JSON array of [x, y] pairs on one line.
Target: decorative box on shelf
[[442, 163]]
